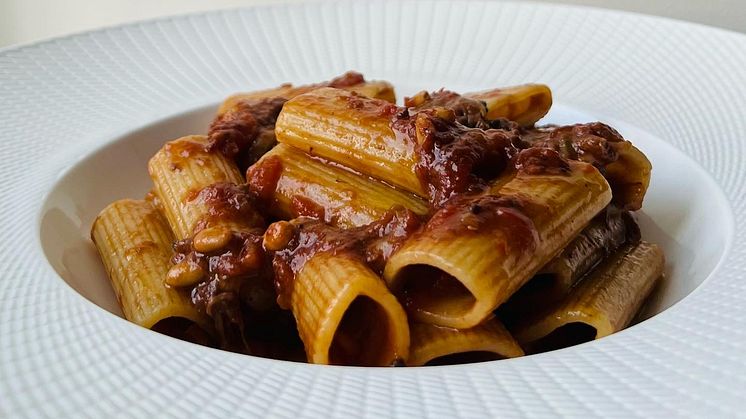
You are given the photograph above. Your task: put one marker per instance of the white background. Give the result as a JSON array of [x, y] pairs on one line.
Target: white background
[[30, 20]]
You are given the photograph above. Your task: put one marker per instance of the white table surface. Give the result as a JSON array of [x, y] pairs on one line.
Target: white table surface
[[29, 20]]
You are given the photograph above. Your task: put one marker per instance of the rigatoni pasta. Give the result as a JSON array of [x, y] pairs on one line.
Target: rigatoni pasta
[[625, 166], [244, 126], [603, 303], [342, 126], [351, 81], [304, 186], [218, 253], [324, 222], [346, 315], [180, 171], [437, 345], [328, 278], [134, 242], [476, 252], [524, 104], [422, 151], [606, 233]]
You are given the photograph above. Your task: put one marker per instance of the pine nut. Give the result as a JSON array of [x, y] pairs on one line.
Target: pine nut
[[184, 274], [211, 239]]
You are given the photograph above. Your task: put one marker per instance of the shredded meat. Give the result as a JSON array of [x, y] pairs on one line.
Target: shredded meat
[[350, 78], [226, 201], [226, 271], [469, 112], [246, 131], [592, 143], [541, 161], [453, 158]]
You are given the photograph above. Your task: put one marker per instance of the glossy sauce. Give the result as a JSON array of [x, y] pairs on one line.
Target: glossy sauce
[[592, 143], [541, 161], [469, 112], [458, 154], [184, 152], [348, 79], [225, 202], [301, 206], [604, 235], [451, 158], [373, 244], [225, 272], [262, 179], [486, 214], [246, 131]]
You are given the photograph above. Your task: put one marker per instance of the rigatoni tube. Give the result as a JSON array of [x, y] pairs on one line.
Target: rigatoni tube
[[134, 242], [476, 252], [626, 167], [524, 104], [290, 183], [437, 345], [351, 130], [244, 126], [426, 151], [181, 171], [346, 315], [601, 237], [373, 89], [603, 303]]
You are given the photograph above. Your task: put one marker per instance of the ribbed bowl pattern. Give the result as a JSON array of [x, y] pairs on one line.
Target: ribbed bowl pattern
[[61, 355]]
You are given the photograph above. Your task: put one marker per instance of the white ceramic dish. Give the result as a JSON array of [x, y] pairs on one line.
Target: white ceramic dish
[[80, 116]]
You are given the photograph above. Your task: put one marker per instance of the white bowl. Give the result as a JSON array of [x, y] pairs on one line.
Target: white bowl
[[80, 116]]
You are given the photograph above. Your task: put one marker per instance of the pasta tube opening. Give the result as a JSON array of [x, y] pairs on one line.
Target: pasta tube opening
[[134, 242], [468, 357], [606, 233], [436, 345], [432, 290], [566, 335], [494, 243], [605, 301], [184, 329], [345, 314], [364, 336], [328, 278]]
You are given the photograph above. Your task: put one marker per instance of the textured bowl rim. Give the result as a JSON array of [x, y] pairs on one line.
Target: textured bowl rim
[[714, 300]]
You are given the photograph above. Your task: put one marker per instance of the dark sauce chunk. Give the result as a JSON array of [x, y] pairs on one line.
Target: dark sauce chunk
[[246, 131], [452, 158]]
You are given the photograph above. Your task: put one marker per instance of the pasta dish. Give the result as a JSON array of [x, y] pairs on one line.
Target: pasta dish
[[324, 223]]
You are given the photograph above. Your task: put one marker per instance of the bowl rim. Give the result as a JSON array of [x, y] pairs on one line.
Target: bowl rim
[[61, 164]]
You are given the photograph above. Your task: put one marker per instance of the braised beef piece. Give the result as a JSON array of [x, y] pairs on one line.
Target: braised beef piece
[[231, 266], [350, 78], [541, 161], [453, 158], [226, 271], [591, 143], [226, 201], [246, 131], [469, 112]]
